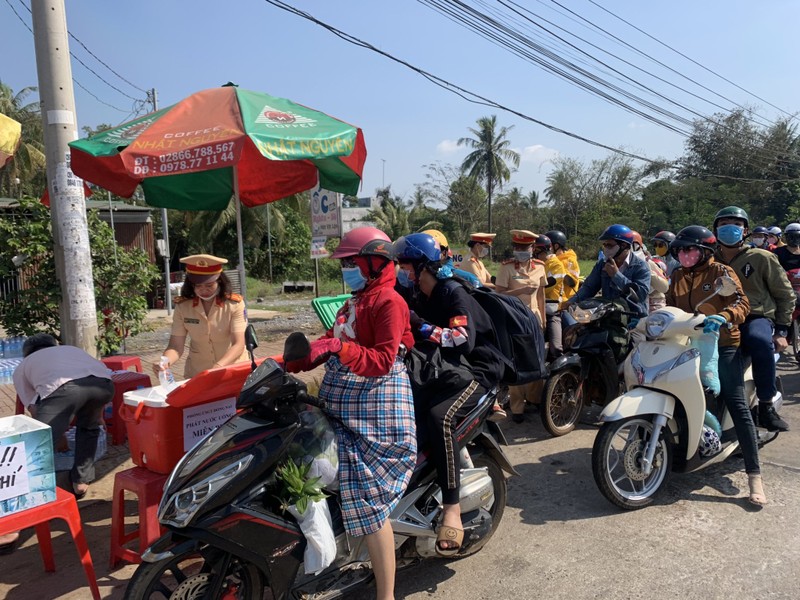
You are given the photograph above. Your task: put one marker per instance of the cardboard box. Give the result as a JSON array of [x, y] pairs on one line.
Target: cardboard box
[[27, 478]]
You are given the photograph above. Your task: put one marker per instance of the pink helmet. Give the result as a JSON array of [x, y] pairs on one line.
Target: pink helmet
[[364, 241]]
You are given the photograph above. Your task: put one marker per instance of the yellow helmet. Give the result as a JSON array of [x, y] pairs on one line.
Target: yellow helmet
[[438, 236]]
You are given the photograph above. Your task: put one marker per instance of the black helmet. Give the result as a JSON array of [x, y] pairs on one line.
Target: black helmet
[[735, 212], [557, 237], [664, 236], [693, 235], [543, 242]]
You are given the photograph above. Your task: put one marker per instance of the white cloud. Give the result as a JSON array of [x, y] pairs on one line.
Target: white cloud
[[537, 154], [447, 147]]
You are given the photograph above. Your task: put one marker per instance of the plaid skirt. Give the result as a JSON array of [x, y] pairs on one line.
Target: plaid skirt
[[377, 458]]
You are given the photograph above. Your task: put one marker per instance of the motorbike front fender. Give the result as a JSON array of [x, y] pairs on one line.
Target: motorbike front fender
[[637, 402], [171, 543], [565, 361]]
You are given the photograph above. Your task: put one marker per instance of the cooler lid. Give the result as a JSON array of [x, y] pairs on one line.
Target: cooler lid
[[154, 397]]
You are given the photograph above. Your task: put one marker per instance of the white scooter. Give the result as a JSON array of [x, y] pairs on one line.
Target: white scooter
[[657, 426]]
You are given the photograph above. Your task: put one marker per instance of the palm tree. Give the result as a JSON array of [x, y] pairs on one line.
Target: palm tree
[[29, 159], [487, 163]]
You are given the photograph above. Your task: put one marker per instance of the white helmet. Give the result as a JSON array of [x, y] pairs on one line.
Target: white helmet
[[793, 234], [774, 230], [792, 227]]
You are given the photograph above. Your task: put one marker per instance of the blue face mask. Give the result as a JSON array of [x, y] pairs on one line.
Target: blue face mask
[[522, 255], [730, 235], [354, 278], [403, 279]]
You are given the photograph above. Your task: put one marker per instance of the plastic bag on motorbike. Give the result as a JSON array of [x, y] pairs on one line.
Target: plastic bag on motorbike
[[315, 443], [317, 527], [709, 360]]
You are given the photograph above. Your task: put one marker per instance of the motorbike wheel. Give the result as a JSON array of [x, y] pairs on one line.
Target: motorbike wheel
[[500, 498], [796, 339], [617, 462], [191, 576], [562, 402]]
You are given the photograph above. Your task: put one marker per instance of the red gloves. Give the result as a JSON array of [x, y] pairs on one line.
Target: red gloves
[[322, 350]]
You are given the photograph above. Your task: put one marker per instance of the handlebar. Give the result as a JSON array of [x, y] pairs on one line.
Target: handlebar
[[304, 396]]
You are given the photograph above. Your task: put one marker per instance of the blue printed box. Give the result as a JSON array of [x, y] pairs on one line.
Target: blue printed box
[[27, 478]]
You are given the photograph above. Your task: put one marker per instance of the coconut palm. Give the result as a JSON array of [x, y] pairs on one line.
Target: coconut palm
[[29, 159], [488, 161]]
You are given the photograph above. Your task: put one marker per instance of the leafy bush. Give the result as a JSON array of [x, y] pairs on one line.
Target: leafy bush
[[121, 278]]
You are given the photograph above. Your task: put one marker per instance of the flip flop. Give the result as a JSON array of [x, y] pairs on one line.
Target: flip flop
[[452, 535], [10, 546], [78, 495]]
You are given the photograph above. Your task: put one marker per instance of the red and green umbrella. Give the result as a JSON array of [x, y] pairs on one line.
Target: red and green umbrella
[[224, 142]]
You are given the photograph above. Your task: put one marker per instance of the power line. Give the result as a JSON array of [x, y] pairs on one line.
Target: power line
[[677, 52], [78, 83], [475, 98], [87, 67]]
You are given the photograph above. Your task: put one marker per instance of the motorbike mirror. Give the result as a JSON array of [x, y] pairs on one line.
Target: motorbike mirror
[[251, 343], [725, 285], [296, 347], [551, 281]]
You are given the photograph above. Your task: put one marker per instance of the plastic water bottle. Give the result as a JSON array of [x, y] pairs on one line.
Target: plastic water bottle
[[165, 376]]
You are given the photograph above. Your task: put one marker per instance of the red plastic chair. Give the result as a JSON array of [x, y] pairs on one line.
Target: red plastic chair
[[148, 487], [121, 362], [63, 507]]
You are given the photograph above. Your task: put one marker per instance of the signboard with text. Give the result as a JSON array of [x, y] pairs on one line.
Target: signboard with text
[[318, 249], [200, 420], [324, 213]]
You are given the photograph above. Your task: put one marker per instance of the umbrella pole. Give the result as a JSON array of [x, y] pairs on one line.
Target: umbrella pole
[[242, 280]]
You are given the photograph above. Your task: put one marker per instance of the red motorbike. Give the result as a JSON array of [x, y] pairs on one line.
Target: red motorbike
[[794, 330]]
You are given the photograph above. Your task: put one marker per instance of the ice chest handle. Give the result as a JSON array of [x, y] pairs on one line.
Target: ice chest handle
[[137, 413], [211, 385]]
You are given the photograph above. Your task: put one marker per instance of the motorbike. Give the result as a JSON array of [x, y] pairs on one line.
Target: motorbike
[[596, 342], [660, 424], [227, 535], [794, 331]]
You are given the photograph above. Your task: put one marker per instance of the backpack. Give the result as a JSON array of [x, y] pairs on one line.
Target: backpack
[[518, 333]]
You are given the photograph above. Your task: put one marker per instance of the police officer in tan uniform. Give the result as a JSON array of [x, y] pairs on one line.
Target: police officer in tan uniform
[[210, 315], [524, 277], [479, 244]]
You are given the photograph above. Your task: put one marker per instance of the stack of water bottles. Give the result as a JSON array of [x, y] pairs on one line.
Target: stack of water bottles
[[10, 357]]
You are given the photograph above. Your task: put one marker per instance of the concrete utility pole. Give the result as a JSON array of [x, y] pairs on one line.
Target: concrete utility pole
[[67, 203], [153, 97]]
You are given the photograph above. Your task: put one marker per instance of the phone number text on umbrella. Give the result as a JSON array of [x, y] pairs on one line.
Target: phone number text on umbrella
[[185, 160]]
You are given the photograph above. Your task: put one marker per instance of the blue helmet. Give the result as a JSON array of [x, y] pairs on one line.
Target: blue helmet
[[760, 229], [418, 247], [620, 233]]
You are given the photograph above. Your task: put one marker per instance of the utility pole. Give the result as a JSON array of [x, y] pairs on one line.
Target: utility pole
[[67, 203], [153, 97]]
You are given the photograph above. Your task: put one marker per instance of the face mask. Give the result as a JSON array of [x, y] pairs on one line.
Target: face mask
[[211, 297], [758, 242], [484, 252], [404, 279], [610, 252], [730, 235], [640, 254], [353, 278], [661, 250], [690, 258], [772, 240], [522, 255]]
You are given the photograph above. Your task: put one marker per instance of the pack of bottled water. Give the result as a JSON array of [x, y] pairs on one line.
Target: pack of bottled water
[[10, 357]]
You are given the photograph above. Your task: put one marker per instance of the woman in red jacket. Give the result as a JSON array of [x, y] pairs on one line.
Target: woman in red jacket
[[367, 387]]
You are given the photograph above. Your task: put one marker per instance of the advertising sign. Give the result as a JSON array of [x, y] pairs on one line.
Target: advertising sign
[[324, 213], [318, 249]]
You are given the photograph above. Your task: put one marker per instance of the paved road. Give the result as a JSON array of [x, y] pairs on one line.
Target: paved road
[[561, 539]]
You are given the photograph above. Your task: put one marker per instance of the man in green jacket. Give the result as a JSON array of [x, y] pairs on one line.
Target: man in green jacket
[[771, 304]]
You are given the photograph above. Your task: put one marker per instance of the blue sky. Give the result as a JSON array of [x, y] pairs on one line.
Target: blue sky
[[182, 47]]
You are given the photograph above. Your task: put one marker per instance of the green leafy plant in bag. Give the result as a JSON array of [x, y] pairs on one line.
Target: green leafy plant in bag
[[298, 488]]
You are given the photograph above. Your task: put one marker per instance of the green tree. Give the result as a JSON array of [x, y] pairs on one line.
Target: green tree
[[466, 207], [392, 215], [122, 278], [28, 163], [487, 163]]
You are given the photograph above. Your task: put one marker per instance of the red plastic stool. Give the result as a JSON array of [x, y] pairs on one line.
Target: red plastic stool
[[63, 507], [20, 408], [120, 362], [148, 486]]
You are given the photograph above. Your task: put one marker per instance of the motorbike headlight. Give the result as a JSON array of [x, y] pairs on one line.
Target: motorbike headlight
[[657, 323], [178, 509]]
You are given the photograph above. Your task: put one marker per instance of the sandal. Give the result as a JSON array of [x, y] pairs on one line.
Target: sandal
[[79, 492], [9, 547], [452, 535], [757, 496]]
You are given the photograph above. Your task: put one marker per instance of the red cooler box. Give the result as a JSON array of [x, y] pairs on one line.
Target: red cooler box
[[162, 429]]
